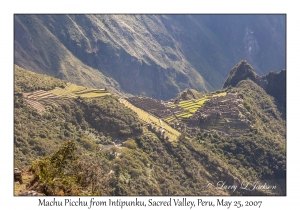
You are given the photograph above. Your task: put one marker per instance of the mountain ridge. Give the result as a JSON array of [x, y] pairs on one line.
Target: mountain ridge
[[274, 83], [152, 55]]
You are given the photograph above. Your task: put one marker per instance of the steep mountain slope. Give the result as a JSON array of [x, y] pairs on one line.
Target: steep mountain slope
[[239, 72], [273, 83], [38, 49], [152, 55], [43, 121], [94, 145]]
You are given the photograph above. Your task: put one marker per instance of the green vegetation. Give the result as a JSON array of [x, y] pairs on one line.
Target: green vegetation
[[250, 155], [45, 87], [219, 94], [184, 115], [79, 119], [149, 119], [263, 151], [169, 119], [101, 146], [89, 121], [67, 173], [145, 166], [191, 106], [37, 81], [263, 112], [74, 91]]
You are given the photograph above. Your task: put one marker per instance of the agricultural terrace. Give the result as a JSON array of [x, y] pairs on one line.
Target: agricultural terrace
[[150, 119], [224, 114], [169, 119], [36, 105], [74, 91], [39, 99], [153, 106], [190, 107]]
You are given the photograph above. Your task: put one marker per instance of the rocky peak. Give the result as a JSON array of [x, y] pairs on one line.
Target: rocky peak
[[241, 71], [273, 83]]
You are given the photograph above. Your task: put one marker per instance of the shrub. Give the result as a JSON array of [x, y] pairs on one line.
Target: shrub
[[130, 143]]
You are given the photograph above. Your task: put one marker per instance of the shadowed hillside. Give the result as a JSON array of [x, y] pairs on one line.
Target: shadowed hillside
[[152, 55]]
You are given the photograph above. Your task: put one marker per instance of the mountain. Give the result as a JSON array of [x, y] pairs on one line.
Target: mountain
[[273, 83], [239, 72], [152, 55], [75, 140]]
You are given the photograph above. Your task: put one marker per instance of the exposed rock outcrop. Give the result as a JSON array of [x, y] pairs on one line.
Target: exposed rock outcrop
[[18, 176]]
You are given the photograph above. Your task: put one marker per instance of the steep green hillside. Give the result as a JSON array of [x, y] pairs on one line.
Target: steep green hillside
[[98, 146], [26, 81], [153, 55], [273, 83], [42, 123], [268, 130], [39, 50]]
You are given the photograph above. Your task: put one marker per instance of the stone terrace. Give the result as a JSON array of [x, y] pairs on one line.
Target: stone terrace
[[154, 106], [221, 114]]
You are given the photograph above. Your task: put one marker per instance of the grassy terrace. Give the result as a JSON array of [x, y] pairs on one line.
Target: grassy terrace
[[70, 91], [219, 94], [74, 91], [191, 106], [148, 118], [184, 115], [169, 119]]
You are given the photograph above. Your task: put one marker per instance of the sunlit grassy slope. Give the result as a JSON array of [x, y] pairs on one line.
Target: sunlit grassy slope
[[148, 118]]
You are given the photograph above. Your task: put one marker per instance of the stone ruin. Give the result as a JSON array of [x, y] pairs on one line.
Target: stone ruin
[[221, 114], [154, 106]]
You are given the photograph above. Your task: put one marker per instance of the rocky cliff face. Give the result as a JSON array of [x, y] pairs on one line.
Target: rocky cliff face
[[275, 85]]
